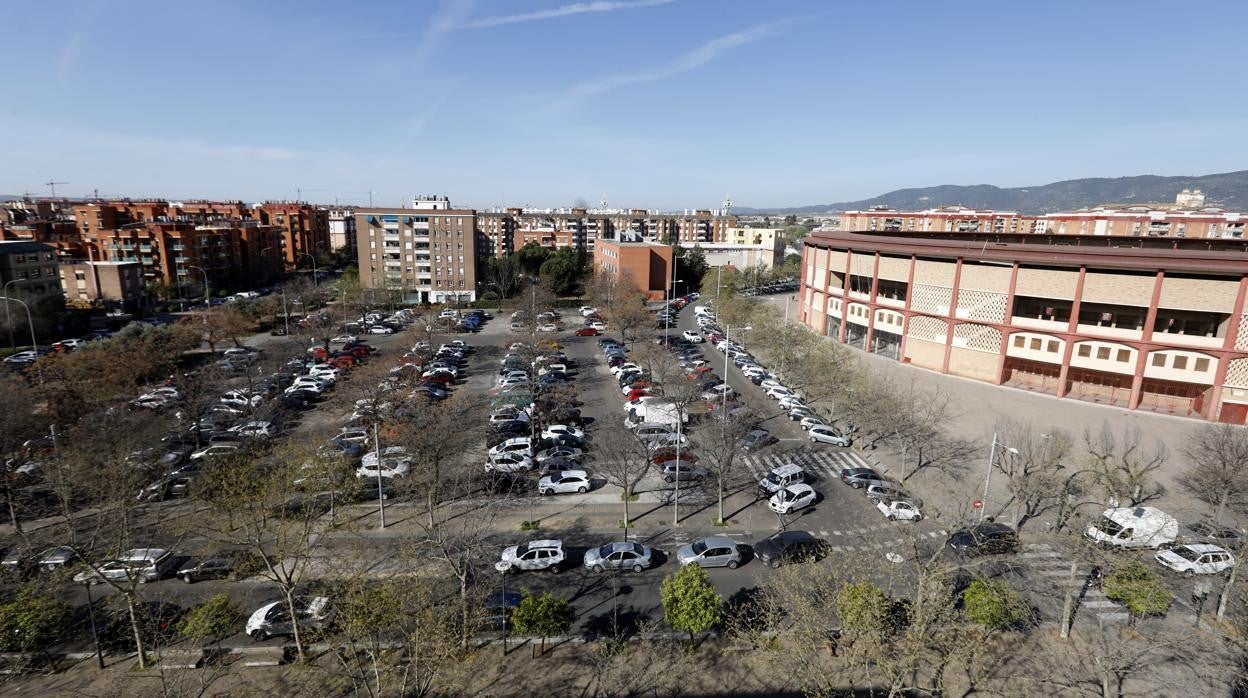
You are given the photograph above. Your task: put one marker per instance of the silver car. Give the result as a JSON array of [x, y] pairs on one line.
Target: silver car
[[712, 551], [618, 556]]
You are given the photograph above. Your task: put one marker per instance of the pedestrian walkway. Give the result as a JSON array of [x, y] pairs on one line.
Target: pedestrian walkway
[[1053, 566], [822, 463]]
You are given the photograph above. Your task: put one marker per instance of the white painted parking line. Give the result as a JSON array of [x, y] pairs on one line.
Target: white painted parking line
[[1047, 554], [1101, 604], [836, 533], [824, 534]]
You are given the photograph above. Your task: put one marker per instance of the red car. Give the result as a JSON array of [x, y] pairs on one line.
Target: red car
[[587, 332], [638, 392], [344, 361], [665, 454], [440, 378]]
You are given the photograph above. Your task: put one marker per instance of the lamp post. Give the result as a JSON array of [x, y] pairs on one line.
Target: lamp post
[[992, 458], [381, 499], [8, 319], [34, 345], [503, 602], [315, 277], [95, 633], [207, 302]]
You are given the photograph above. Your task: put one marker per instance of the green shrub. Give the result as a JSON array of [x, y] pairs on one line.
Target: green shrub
[[1138, 588], [863, 606], [690, 602], [217, 617], [31, 622], [994, 604]]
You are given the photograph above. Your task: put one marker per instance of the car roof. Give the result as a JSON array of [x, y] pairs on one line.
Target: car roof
[[858, 471], [626, 545], [548, 543], [1202, 548], [573, 473], [718, 541], [800, 488], [787, 469]]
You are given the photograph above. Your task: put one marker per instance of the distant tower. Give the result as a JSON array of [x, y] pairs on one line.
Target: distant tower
[[1190, 198], [727, 205]]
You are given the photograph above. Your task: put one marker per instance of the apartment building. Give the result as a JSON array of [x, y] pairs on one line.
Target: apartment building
[[424, 255], [1146, 221], [762, 237], [342, 229], [1157, 325], [947, 219], [238, 253], [29, 272], [116, 284], [305, 228], [647, 265]]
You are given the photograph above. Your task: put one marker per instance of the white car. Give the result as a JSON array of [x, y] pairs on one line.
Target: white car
[[665, 440], [519, 444], [214, 450], [780, 392], [391, 467], [370, 458], [806, 421], [314, 613], [508, 383], [586, 310], [260, 430], [508, 414], [309, 385], [692, 336], [563, 482], [600, 326], [617, 370], [770, 383], [380, 329], [899, 509], [534, 555], [824, 434], [1196, 558], [238, 398], [344, 339], [719, 392], [556, 430], [792, 402], [548, 327], [509, 463], [792, 498]]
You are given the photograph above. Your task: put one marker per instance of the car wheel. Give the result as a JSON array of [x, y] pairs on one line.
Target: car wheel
[[598, 569], [1189, 573], [892, 517], [543, 492], [556, 569], [638, 568], [188, 578], [582, 489], [732, 564], [775, 564], [259, 635], [667, 479]]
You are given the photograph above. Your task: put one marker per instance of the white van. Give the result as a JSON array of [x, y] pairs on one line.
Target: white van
[[1134, 527], [702, 311], [657, 412], [779, 478]]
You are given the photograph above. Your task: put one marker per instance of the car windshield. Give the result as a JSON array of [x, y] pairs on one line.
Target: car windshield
[[604, 551], [638, 549], [699, 547], [1107, 527], [1186, 553]]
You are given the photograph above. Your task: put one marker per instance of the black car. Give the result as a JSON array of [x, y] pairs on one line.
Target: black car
[[231, 565], [755, 440], [514, 427], [984, 539], [790, 546], [859, 478], [1222, 535], [506, 483], [167, 487]]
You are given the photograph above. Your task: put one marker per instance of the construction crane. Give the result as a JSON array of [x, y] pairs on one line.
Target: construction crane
[[52, 185], [370, 193], [299, 192]]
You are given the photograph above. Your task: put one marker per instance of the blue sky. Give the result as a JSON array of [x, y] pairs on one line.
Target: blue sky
[[658, 104]]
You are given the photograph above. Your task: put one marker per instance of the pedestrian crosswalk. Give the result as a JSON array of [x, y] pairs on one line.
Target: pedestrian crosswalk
[[822, 463], [1054, 567]]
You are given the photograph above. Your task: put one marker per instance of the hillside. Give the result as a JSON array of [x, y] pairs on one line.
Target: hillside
[[1228, 190]]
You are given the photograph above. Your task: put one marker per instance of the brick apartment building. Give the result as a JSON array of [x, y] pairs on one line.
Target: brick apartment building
[[28, 272], [231, 253], [426, 254], [1157, 325], [648, 265], [115, 284]]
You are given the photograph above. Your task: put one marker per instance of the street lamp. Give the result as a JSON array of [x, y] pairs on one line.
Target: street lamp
[[992, 458], [95, 633], [34, 346], [381, 497], [315, 277], [8, 320], [207, 302]]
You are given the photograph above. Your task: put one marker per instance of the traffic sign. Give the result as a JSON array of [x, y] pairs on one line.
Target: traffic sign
[[978, 504]]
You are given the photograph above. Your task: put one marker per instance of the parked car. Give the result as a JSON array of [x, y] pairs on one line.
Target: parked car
[[1196, 558], [886, 491], [534, 555], [859, 478], [563, 482], [557, 430], [235, 565], [789, 547], [509, 463], [792, 498], [824, 434], [899, 510], [756, 440], [712, 551], [138, 564], [587, 332], [623, 555], [984, 539], [312, 612]]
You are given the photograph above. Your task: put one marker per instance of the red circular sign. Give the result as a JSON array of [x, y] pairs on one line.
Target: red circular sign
[[978, 504]]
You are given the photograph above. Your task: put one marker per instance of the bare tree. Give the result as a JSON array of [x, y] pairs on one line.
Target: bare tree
[[18, 424], [719, 442], [624, 460], [1123, 466], [438, 437], [621, 304], [1034, 469], [1219, 470]]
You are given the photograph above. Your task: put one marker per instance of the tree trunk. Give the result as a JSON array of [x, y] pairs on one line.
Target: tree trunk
[[628, 494], [138, 633], [1069, 599], [13, 519], [289, 593], [1226, 593]]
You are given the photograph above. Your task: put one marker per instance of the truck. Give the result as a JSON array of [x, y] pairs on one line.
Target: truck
[[658, 412], [1133, 527]]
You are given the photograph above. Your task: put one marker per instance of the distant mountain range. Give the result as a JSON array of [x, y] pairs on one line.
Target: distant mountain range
[[1228, 190]]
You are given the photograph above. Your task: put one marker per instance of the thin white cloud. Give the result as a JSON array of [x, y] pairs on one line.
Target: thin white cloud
[[450, 15], [576, 8], [685, 62]]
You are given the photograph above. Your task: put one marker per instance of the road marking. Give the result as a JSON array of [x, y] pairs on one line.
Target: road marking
[[1049, 554], [836, 533], [1101, 604], [823, 533]]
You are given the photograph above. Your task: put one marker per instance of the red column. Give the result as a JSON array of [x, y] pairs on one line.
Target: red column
[[849, 258], [1228, 346], [905, 313], [1006, 322], [804, 292], [875, 288], [952, 316], [1071, 328], [1150, 319]]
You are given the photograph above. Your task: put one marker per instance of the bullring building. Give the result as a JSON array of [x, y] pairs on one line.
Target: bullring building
[[1142, 323]]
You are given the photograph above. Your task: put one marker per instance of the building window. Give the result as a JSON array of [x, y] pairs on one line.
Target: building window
[[1052, 347], [1202, 365], [1180, 362], [1159, 359], [1035, 343], [1124, 355], [1019, 341], [1085, 350], [1102, 353]]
